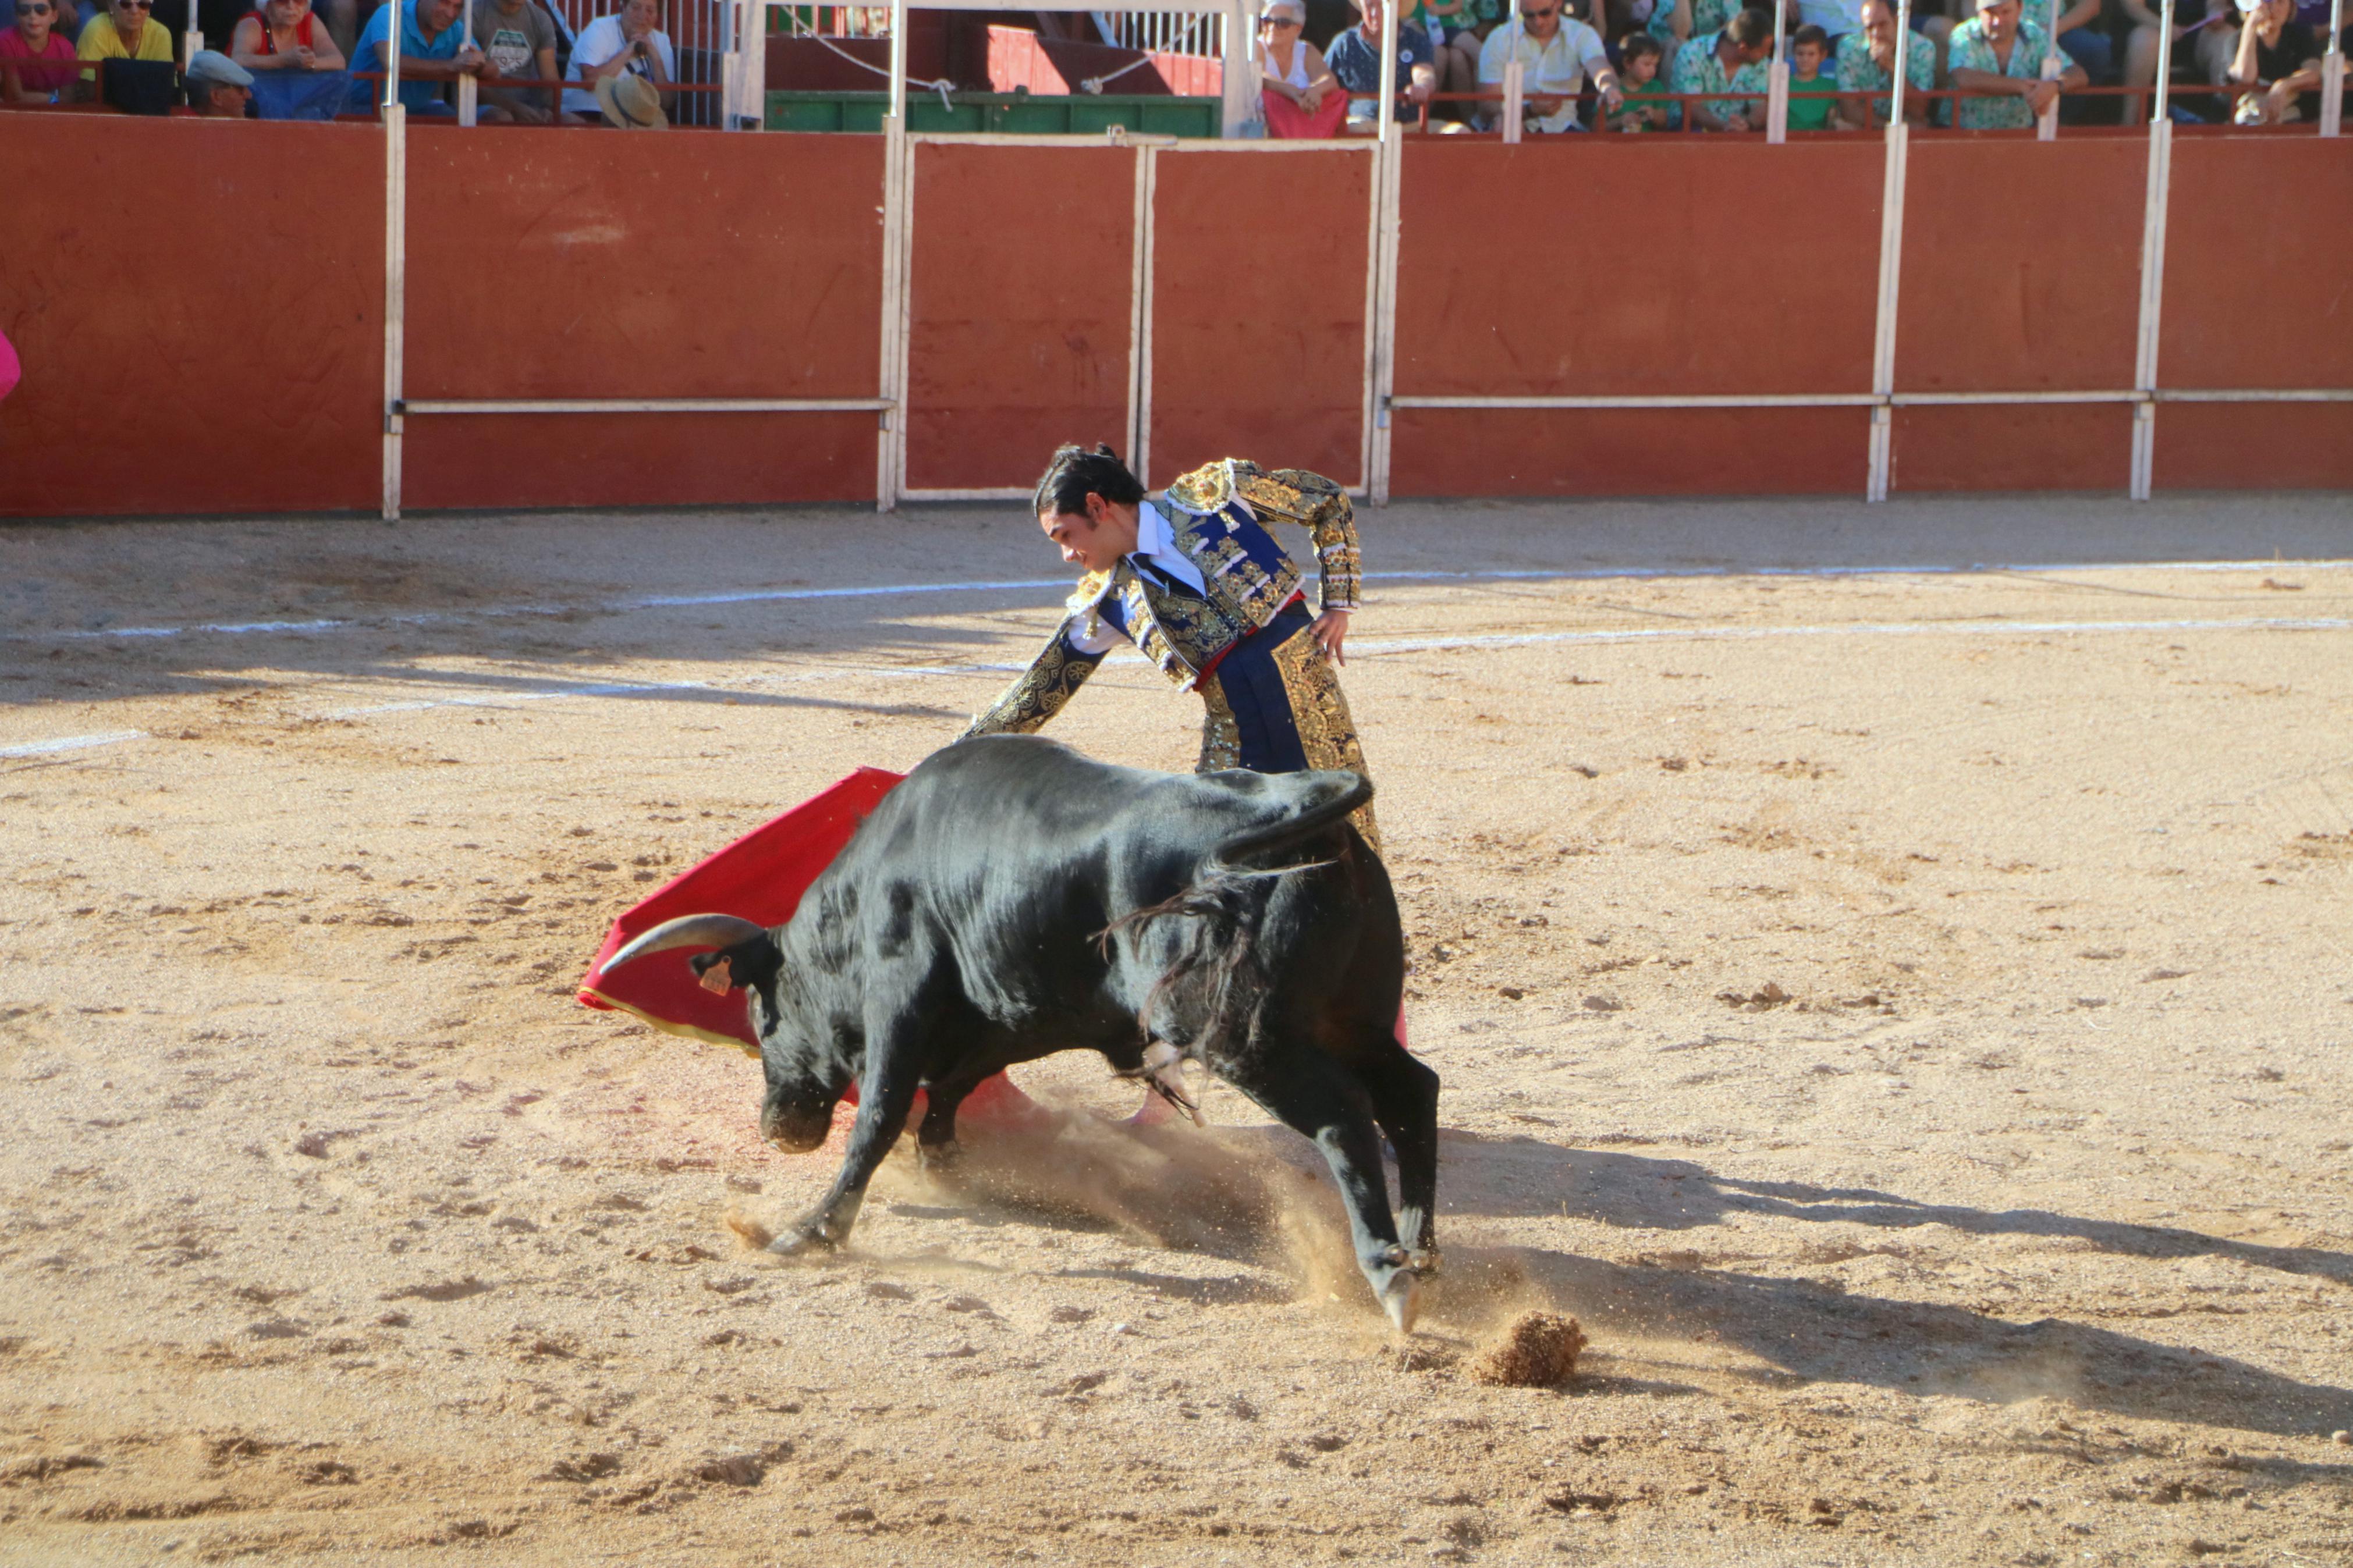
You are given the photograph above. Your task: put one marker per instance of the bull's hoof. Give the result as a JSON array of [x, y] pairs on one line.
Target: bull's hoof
[[939, 1158], [1425, 1262], [802, 1241], [1401, 1299]]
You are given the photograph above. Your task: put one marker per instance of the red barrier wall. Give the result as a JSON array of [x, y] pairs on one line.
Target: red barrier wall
[[199, 308], [1634, 266], [2258, 294], [2021, 273], [688, 266], [1021, 307], [1258, 348]]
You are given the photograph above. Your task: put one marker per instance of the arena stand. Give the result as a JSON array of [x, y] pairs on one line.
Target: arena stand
[[359, 316]]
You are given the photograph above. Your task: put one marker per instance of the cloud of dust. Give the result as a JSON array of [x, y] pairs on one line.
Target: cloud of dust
[[1254, 1194]]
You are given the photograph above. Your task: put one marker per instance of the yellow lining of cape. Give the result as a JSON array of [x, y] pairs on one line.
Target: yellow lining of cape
[[667, 1028]]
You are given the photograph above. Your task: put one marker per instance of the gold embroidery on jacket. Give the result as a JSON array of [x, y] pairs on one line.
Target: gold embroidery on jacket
[[1037, 694], [1221, 738], [1195, 629], [1296, 495], [1326, 733]]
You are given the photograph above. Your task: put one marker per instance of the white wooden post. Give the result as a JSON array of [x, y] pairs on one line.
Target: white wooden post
[[1389, 71], [898, 109], [392, 53], [468, 90], [395, 285], [1776, 78], [1240, 57], [2332, 73], [2152, 263], [743, 106], [2054, 66], [1387, 177], [1515, 86], [1139, 319], [898, 178], [1891, 270]]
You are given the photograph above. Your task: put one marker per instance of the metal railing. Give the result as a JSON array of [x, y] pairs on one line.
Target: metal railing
[[702, 37], [1593, 116], [1198, 33]]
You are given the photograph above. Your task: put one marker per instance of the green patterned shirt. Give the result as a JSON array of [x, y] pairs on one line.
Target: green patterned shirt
[[1970, 50], [1707, 17], [1858, 72], [1697, 69]]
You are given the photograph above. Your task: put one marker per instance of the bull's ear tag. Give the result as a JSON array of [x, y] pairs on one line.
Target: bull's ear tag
[[715, 978]]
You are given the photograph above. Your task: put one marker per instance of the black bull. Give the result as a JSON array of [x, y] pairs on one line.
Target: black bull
[[1013, 898]]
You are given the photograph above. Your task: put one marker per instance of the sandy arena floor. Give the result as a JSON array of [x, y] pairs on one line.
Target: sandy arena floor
[[1902, 1014]]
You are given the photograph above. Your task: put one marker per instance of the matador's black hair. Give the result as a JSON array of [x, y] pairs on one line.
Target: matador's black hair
[[1076, 473]]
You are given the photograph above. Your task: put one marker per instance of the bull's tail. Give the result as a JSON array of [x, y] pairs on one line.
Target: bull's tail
[[1224, 915]]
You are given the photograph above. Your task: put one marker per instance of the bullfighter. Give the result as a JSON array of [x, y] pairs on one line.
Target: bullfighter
[[1198, 583]]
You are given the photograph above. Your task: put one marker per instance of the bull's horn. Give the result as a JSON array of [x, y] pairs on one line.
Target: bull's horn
[[687, 931]]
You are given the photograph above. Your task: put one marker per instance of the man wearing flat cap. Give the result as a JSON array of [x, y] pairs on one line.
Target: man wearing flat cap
[[219, 88]]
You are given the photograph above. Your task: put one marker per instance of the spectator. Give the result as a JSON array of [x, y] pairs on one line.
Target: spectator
[[628, 41], [2204, 35], [1674, 22], [1303, 97], [630, 102], [1454, 53], [1813, 99], [1641, 94], [1356, 59], [2079, 38], [1732, 60], [1457, 28], [1836, 18], [1556, 55], [219, 88], [36, 64], [1998, 53], [283, 34], [342, 18], [518, 42], [126, 33], [1866, 64], [432, 52], [2277, 48]]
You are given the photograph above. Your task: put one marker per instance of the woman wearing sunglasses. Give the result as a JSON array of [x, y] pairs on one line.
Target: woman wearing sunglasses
[[282, 34], [125, 33], [37, 63], [1303, 97]]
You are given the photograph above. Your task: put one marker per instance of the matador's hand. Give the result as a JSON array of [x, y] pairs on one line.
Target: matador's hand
[[1330, 628]]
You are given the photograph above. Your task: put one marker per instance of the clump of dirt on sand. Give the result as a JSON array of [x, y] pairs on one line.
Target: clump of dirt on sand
[[1536, 1350]]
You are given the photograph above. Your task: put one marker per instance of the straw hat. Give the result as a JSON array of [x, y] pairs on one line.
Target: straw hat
[[630, 102]]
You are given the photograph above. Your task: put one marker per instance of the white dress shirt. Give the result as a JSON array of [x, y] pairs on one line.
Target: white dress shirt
[[1155, 552]]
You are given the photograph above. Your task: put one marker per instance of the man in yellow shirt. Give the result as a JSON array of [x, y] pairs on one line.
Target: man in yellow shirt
[[125, 33]]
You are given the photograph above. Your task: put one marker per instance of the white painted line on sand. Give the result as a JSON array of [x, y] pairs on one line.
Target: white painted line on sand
[[651, 688], [888, 590], [1362, 646], [68, 743], [1859, 628]]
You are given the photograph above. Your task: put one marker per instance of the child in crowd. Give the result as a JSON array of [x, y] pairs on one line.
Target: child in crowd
[[1812, 96], [1645, 108]]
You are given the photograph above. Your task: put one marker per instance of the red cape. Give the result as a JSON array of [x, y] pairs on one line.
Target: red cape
[[761, 878]]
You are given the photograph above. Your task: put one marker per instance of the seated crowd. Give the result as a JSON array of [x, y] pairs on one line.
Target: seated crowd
[[1697, 65], [1998, 66], [287, 60]]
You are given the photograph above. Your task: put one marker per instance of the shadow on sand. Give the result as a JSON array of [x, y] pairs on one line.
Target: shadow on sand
[[1256, 1196]]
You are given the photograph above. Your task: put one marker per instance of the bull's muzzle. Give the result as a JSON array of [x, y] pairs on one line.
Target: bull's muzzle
[[796, 1128]]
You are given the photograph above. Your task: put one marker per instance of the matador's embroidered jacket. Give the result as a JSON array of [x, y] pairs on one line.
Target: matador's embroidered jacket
[[1215, 515]]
